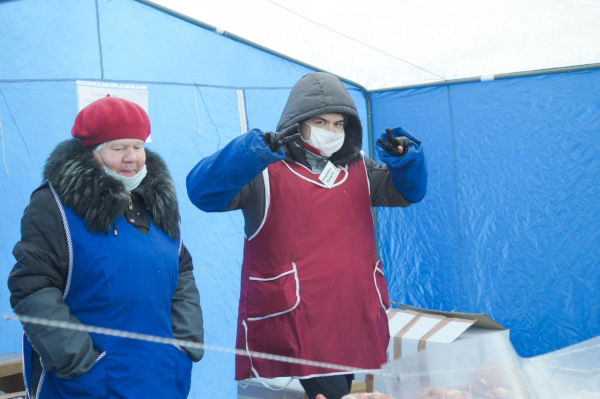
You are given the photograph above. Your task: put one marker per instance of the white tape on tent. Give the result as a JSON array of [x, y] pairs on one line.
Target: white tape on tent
[[3, 156], [242, 111]]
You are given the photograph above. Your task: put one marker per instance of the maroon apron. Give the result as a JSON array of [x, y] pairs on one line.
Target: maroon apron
[[312, 287]]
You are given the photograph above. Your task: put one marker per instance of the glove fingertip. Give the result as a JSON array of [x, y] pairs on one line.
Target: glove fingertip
[[389, 133]]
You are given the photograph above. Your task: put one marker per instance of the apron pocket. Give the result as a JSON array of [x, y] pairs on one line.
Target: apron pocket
[[274, 293], [92, 384], [381, 285]]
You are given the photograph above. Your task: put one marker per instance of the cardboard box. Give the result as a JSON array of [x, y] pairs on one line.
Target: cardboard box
[[11, 376], [415, 329]]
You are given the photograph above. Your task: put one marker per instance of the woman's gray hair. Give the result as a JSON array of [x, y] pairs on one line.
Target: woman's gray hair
[[97, 151], [100, 146]]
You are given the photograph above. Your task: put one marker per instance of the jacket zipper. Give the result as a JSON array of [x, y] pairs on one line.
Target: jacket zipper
[[130, 208]]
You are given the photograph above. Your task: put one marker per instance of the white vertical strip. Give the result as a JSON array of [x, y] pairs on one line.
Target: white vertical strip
[[27, 395], [265, 174], [242, 110], [3, 156], [68, 236]]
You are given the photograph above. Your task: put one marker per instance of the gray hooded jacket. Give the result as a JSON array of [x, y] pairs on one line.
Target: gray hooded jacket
[[316, 94]]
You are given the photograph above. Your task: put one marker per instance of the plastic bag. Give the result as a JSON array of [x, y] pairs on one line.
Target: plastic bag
[[572, 372], [486, 367]]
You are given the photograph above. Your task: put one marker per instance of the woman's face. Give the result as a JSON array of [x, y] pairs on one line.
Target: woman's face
[[125, 157]]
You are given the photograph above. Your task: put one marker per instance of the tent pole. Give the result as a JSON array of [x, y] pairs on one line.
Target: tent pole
[[371, 149], [486, 78]]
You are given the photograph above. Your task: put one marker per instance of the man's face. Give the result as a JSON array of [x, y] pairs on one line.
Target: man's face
[[330, 122]]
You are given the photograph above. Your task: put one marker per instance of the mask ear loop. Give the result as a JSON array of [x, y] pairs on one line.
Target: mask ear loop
[[97, 151]]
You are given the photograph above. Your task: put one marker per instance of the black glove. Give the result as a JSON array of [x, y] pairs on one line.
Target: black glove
[[391, 146], [276, 140]]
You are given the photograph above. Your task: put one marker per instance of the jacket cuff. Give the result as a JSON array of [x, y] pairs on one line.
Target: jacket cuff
[[218, 178], [66, 352], [409, 172]]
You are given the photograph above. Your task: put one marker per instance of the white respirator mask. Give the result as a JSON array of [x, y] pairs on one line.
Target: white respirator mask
[[325, 141], [130, 182]]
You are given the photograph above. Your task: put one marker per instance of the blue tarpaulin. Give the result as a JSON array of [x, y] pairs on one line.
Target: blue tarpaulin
[[510, 225]]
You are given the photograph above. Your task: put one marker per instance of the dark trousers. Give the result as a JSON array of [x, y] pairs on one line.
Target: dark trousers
[[332, 387]]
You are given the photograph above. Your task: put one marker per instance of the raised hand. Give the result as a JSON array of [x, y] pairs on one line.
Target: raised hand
[[395, 146], [276, 140]]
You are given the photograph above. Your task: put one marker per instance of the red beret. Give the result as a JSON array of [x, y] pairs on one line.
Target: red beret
[[111, 118]]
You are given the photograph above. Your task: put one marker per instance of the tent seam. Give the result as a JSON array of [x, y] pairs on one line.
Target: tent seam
[[245, 108], [210, 119], [151, 82], [456, 202], [99, 41], [15, 122], [355, 40]]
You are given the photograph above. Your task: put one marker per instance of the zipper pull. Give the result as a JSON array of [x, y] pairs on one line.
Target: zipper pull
[[130, 202]]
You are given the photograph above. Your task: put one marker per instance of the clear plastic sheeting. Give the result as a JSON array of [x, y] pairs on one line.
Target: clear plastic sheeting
[[488, 367], [570, 373]]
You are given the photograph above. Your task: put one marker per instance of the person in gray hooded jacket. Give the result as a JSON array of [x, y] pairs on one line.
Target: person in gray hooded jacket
[[312, 285]]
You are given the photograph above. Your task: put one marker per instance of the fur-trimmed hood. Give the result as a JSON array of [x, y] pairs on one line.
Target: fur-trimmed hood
[[82, 185]]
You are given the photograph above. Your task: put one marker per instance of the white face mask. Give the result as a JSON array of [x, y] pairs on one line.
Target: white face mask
[[324, 140], [130, 182]]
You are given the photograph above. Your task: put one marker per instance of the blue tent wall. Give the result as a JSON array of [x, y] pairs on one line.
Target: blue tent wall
[[174, 59], [510, 225], [42, 58]]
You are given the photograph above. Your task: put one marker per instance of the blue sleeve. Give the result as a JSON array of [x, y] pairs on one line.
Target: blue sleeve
[[216, 179], [409, 173]]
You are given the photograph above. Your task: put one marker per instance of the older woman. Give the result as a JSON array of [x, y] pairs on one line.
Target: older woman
[[101, 245]]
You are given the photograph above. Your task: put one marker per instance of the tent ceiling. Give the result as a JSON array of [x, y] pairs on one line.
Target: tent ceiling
[[390, 43]]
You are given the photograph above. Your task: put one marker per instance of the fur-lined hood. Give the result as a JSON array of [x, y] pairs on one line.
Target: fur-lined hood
[[82, 185]]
